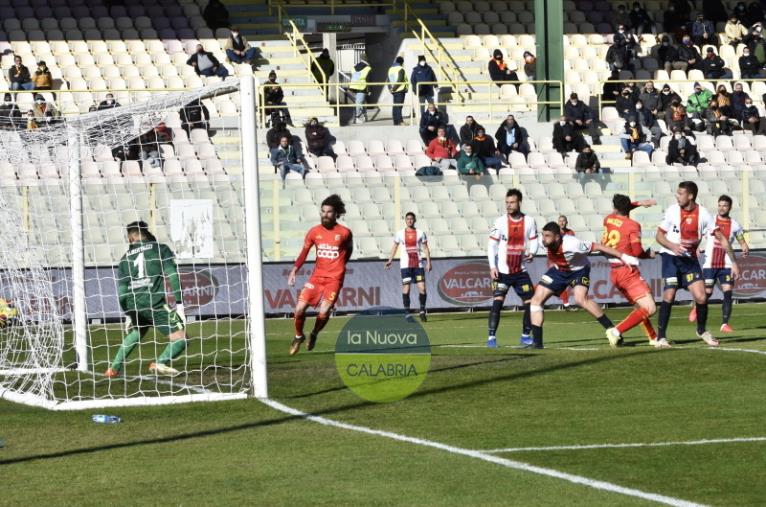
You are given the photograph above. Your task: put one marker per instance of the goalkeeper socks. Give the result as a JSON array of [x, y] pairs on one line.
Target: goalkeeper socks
[[537, 336], [604, 321], [649, 329], [664, 319], [320, 323], [128, 344], [422, 298], [406, 302], [172, 350], [526, 321], [633, 319], [726, 306], [494, 316], [299, 320], [701, 317]]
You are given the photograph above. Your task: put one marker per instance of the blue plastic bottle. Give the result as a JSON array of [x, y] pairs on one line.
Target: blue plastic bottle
[[105, 419]]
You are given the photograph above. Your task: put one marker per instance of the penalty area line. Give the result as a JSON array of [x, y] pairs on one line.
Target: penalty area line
[[516, 465], [708, 441]]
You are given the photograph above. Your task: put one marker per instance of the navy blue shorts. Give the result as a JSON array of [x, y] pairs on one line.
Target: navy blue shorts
[[410, 275], [680, 272], [520, 282], [557, 280], [720, 275]]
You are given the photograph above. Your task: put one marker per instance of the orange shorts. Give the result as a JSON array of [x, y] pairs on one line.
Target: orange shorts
[[628, 280], [317, 290]]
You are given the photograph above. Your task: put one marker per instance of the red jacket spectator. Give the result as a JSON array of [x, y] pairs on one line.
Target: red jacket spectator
[[441, 148]]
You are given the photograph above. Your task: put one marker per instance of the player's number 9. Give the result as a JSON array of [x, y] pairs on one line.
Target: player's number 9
[[610, 238]]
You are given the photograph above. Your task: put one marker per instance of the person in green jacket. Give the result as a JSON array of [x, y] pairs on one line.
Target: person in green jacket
[[469, 162], [698, 101]]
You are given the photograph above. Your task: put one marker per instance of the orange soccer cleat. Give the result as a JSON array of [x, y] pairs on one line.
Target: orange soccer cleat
[[111, 373], [726, 328]]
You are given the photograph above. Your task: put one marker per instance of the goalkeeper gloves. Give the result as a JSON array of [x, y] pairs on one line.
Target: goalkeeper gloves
[[629, 260], [128, 323], [181, 313]]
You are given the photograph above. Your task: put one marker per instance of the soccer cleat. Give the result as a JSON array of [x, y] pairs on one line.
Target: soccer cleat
[[295, 346], [708, 339], [661, 343], [312, 341], [111, 373], [526, 341], [693, 314], [726, 328], [613, 335], [423, 317], [491, 342], [570, 308], [163, 369]]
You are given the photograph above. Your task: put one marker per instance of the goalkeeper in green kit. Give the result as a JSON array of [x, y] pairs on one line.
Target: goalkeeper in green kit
[[141, 288]]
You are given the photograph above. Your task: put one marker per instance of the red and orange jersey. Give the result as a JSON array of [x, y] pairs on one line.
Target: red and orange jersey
[[623, 234], [333, 250]]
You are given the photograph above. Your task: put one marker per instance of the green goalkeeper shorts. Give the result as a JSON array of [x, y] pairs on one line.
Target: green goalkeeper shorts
[[163, 319]]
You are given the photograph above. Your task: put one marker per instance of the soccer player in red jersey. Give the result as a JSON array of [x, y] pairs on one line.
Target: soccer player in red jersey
[[334, 245], [565, 231], [624, 235]]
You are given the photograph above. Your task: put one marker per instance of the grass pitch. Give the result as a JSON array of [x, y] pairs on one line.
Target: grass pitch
[[577, 392]]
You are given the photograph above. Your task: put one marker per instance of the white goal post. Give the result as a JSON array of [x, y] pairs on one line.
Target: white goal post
[[184, 163]]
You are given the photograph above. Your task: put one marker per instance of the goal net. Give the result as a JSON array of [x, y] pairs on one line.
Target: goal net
[[182, 162]]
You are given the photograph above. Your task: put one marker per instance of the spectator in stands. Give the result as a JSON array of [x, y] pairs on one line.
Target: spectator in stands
[[194, 115], [751, 118], [635, 138], [734, 31], [640, 21], [276, 133], [108, 102], [682, 151], [206, 64], [738, 99], [689, 54], [469, 163], [698, 101], [757, 45], [620, 17], [484, 146], [216, 15], [274, 97], [19, 76], [716, 123], [397, 87], [287, 157], [468, 130], [237, 49], [715, 12], [611, 89], [667, 56], [442, 150], [565, 137], [500, 71], [358, 86], [430, 121], [510, 136], [713, 66], [422, 80], [43, 110], [650, 98], [647, 120], [723, 97], [581, 117], [10, 115], [676, 118], [530, 65], [672, 19], [325, 63], [150, 142], [587, 161], [749, 67], [703, 32], [667, 96], [43, 79], [618, 56], [740, 12], [626, 104], [318, 139]]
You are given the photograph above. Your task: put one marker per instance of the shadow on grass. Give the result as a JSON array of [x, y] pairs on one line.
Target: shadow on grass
[[328, 411]]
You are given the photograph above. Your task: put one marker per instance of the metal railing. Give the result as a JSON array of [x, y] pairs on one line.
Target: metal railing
[[295, 36], [277, 6]]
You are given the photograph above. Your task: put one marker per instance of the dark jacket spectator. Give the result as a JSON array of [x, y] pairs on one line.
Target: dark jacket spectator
[[318, 139], [738, 100], [618, 57], [581, 117], [431, 120], [530, 65], [713, 66], [216, 15], [667, 96], [10, 115], [672, 19], [43, 79], [640, 20], [274, 96], [650, 97], [716, 122], [468, 130], [19, 77], [749, 66], [511, 137], [275, 133], [325, 63], [287, 157], [681, 151], [667, 55], [206, 64], [194, 115], [757, 45], [723, 98], [484, 146], [108, 102], [499, 70], [689, 54], [676, 118], [565, 137], [625, 105], [703, 32], [750, 117], [587, 161], [620, 17], [423, 73]]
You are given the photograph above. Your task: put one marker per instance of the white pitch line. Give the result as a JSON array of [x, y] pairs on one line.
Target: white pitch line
[[733, 349], [626, 446], [516, 465]]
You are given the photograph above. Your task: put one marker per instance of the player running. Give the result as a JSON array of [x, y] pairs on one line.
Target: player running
[[512, 242], [411, 262], [565, 231], [141, 288], [571, 267], [717, 266], [624, 234], [684, 226], [334, 245]]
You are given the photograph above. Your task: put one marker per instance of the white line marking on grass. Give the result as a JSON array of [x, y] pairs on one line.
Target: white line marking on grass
[[516, 465], [456, 346], [733, 349], [626, 446]]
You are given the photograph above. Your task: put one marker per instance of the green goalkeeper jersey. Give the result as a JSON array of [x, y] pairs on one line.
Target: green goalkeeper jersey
[[141, 276]]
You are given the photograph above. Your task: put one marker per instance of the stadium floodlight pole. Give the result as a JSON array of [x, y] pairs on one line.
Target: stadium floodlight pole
[[79, 317], [257, 324]]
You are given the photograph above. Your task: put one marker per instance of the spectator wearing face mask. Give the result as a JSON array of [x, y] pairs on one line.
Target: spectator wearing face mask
[[640, 20], [430, 121], [237, 48], [469, 163], [734, 32], [510, 136], [738, 98], [716, 122], [650, 98], [667, 96], [682, 151], [698, 101], [751, 118], [19, 76], [43, 110], [634, 138], [422, 81], [206, 64], [484, 146], [565, 137], [500, 71], [703, 32], [442, 151], [647, 120], [749, 67], [318, 139], [530, 65], [581, 117], [723, 97], [667, 56], [713, 66], [108, 102], [618, 55], [587, 161], [43, 79], [625, 104], [689, 54], [273, 98]]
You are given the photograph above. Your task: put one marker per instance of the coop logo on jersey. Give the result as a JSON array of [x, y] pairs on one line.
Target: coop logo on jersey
[[198, 288], [327, 252], [466, 284], [753, 280]]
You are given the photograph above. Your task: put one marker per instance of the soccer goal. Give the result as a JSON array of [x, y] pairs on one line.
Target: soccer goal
[[185, 164]]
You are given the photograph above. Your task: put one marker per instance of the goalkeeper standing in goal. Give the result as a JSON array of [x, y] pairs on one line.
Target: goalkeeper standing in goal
[[141, 287]]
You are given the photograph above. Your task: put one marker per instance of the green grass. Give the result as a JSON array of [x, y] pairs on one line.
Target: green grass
[[473, 398]]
